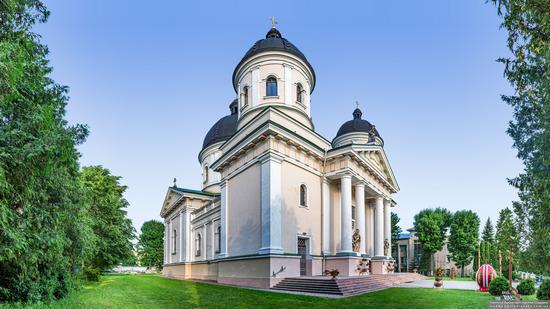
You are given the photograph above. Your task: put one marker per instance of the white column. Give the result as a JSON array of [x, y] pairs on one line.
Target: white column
[[379, 226], [189, 254], [289, 98], [182, 238], [326, 216], [370, 229], [360, 206], [256, 86], [170, 249], [223, 218], [345, 217], [271, 207], [387, 223]]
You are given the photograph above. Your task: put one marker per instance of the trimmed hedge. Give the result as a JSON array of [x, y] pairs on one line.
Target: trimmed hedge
[[499, 285], [526, 287], [543, 292]]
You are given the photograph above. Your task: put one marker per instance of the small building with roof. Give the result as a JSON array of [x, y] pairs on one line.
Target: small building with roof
[[279, 200]]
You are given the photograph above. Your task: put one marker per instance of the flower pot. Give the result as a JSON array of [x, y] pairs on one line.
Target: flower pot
[[438, 282]]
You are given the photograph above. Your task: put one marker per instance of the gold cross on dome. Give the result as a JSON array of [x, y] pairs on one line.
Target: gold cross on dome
[[273, 22], [356, 104]]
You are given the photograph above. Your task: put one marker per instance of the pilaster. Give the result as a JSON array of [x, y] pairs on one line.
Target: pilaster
[[271, 204]]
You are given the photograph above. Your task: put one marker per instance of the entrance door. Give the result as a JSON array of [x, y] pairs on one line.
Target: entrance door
[[302, 251]]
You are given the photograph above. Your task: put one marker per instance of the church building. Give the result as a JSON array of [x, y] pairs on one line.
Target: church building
[[279, 200]]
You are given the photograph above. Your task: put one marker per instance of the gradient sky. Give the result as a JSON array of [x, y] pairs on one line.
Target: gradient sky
[[150, 80]]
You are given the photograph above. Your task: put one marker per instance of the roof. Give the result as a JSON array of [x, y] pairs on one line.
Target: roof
[[223, 129], [404, 236], [357, 124], [273, 41], [200, 192]]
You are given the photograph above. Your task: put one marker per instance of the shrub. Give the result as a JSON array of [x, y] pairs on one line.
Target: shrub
[[526, 287], [544, 291], [499, 285], [92, 273]]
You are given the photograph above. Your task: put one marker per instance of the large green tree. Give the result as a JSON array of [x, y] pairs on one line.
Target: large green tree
[[113, 229], [395, 228], [488, 233], [431, 226], [463, 238], [151, 244], [42, 218], [506, 238], [528, 71]]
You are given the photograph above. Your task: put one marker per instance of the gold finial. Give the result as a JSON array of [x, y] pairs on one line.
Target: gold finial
[[273, 22], [175, 182]]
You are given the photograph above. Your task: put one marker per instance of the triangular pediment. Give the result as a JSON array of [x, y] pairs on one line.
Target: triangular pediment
[[378, 160], [171, 197]]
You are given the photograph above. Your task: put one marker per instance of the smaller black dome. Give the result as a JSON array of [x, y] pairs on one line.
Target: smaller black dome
[[357, 125], [223, 129]]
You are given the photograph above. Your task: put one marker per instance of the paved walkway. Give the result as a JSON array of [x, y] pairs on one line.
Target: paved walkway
[[461, 285]]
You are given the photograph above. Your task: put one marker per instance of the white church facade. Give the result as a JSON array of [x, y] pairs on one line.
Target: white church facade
[[279, 200]]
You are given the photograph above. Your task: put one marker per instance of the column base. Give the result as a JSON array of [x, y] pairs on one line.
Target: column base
[[382, 265], [347, 253]]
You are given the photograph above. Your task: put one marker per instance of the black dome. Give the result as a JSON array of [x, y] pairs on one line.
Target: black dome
[[274, 41], [223, 129], [357, 125]]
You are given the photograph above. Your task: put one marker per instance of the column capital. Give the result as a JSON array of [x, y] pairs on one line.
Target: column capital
[[360, 184], [326, 180]]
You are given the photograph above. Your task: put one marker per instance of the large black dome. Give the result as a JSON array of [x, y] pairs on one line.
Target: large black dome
[[357, 125], [274, 41], [223, 129]]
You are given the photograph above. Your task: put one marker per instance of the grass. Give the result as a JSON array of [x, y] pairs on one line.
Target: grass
[[152, 291]]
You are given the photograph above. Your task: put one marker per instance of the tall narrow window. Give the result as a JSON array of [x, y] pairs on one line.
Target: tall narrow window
[[206, 173], [303, 195], [218, 239], [271, 87], [299, 93], [174, 241], [245, 96], [198, 244]]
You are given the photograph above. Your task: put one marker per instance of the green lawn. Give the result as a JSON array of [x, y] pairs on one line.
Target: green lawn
[[151, 291]]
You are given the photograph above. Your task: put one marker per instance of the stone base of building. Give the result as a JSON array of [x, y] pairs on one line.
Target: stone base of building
[[382, 265], [265, 271]]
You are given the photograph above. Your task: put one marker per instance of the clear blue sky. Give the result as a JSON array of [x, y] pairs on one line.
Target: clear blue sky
[[150, 78]]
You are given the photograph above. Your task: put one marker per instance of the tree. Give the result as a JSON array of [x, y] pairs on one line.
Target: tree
[[463, 238], [506, 238], [431, 226], [488, 234], [151, 244], [42, 218], [113, 229], [528, 26], [395, 229]]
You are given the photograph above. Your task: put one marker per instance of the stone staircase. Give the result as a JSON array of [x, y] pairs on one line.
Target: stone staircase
[[344, 286]]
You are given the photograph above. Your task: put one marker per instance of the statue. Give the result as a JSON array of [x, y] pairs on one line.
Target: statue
[[390, 268], [386, 247], [356, 240], [363, 267], [372, 134]]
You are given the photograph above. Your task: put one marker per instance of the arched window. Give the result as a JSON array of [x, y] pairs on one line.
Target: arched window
[[303, 195], [271, 86], [174, 241], [206, 173], [299, 93], [198, 244], [245, 96], [217, 237]]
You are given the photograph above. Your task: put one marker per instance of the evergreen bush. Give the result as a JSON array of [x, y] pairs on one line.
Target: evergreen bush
[[543, 292], [526, 287], [499, 285]]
